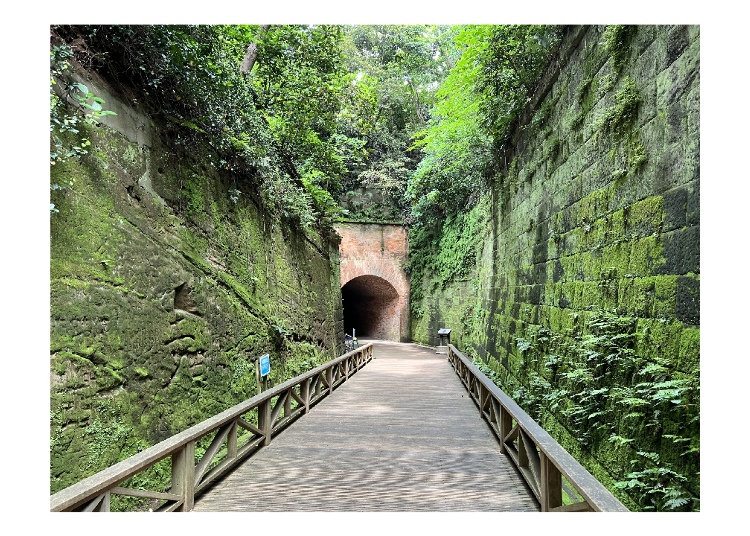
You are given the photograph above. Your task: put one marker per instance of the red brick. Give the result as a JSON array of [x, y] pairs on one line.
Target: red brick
[[373, 280]]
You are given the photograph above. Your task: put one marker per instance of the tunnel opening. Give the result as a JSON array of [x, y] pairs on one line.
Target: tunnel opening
[[370, 306]]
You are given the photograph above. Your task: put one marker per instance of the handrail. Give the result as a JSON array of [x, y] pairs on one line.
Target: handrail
[[542, 469], [188, 479]]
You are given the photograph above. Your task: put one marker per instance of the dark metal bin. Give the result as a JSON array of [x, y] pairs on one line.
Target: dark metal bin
[[445, 339]]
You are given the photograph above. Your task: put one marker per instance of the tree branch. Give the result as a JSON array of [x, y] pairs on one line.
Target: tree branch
[[251, 55]]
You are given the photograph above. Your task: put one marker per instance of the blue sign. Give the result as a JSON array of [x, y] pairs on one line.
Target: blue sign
[[265, 365]]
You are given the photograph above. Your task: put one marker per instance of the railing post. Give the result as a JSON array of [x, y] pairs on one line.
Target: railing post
[[232, 441], [346, 368], [329, 377], [264, 421], [183, 475], [551, 478]]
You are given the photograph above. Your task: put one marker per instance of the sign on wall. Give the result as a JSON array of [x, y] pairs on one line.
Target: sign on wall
[[265, 365]]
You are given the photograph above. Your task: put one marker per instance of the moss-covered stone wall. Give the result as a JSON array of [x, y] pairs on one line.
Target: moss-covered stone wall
[[583, 300], [164, 292], [376, 205]]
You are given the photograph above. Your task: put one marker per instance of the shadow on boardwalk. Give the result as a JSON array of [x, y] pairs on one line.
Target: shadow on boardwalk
[[401, 435]]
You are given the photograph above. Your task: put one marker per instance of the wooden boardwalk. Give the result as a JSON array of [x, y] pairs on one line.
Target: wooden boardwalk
[[401, 435]]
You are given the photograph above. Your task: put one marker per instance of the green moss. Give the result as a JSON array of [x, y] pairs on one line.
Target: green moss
[[617, 38], [617, 225], [586, 94], [114, 267], [637, 156], [645, 217], [646, 256], [659, 341], [690, 349], [666, 296], [572, 238], [616, 260], [619, 119]]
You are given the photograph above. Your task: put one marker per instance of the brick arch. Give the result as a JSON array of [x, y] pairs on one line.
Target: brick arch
[[378, 250], [385, 269]]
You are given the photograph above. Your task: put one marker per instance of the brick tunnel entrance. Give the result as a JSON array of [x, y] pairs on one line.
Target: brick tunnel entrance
[[371, 307], [374, 286]]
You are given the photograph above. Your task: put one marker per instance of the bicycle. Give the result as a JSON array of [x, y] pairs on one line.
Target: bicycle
[[350, 343]]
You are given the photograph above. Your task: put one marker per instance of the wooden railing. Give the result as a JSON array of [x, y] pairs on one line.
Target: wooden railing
[[540, 459], [274, 412]]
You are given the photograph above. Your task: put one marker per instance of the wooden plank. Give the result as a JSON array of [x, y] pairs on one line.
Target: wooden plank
[[232, 441], [104, 506], [183, 475], [264, 421], [551, 485], [523, 458], [227, 465], [575, 507], [494, 416], [300, 399], [388, 441], [170, 507], [211, 451], [529, 478], [316, 382], [278, 407], [288, 402], [93, 504], [304, 390], [249, 427], [286, 421], [533, 457], [513, 434], [146, 494]]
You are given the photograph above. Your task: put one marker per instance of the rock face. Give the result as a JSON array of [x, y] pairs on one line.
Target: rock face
[[164, 292], [591, 252]]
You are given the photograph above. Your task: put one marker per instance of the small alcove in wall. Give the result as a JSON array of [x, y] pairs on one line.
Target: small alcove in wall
[[183, 299]]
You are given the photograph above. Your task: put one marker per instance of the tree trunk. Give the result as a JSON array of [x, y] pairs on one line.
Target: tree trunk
[[251, 55], [416, 103]]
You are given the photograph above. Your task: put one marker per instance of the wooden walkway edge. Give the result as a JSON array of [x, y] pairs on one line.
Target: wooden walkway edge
[[401, 435]]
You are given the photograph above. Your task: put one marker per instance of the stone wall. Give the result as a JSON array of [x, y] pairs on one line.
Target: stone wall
[[372, 205], [594, 242], [164, 292], [372, 271]]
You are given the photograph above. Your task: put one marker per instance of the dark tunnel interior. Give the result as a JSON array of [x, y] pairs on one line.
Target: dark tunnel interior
[[370, 307]]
